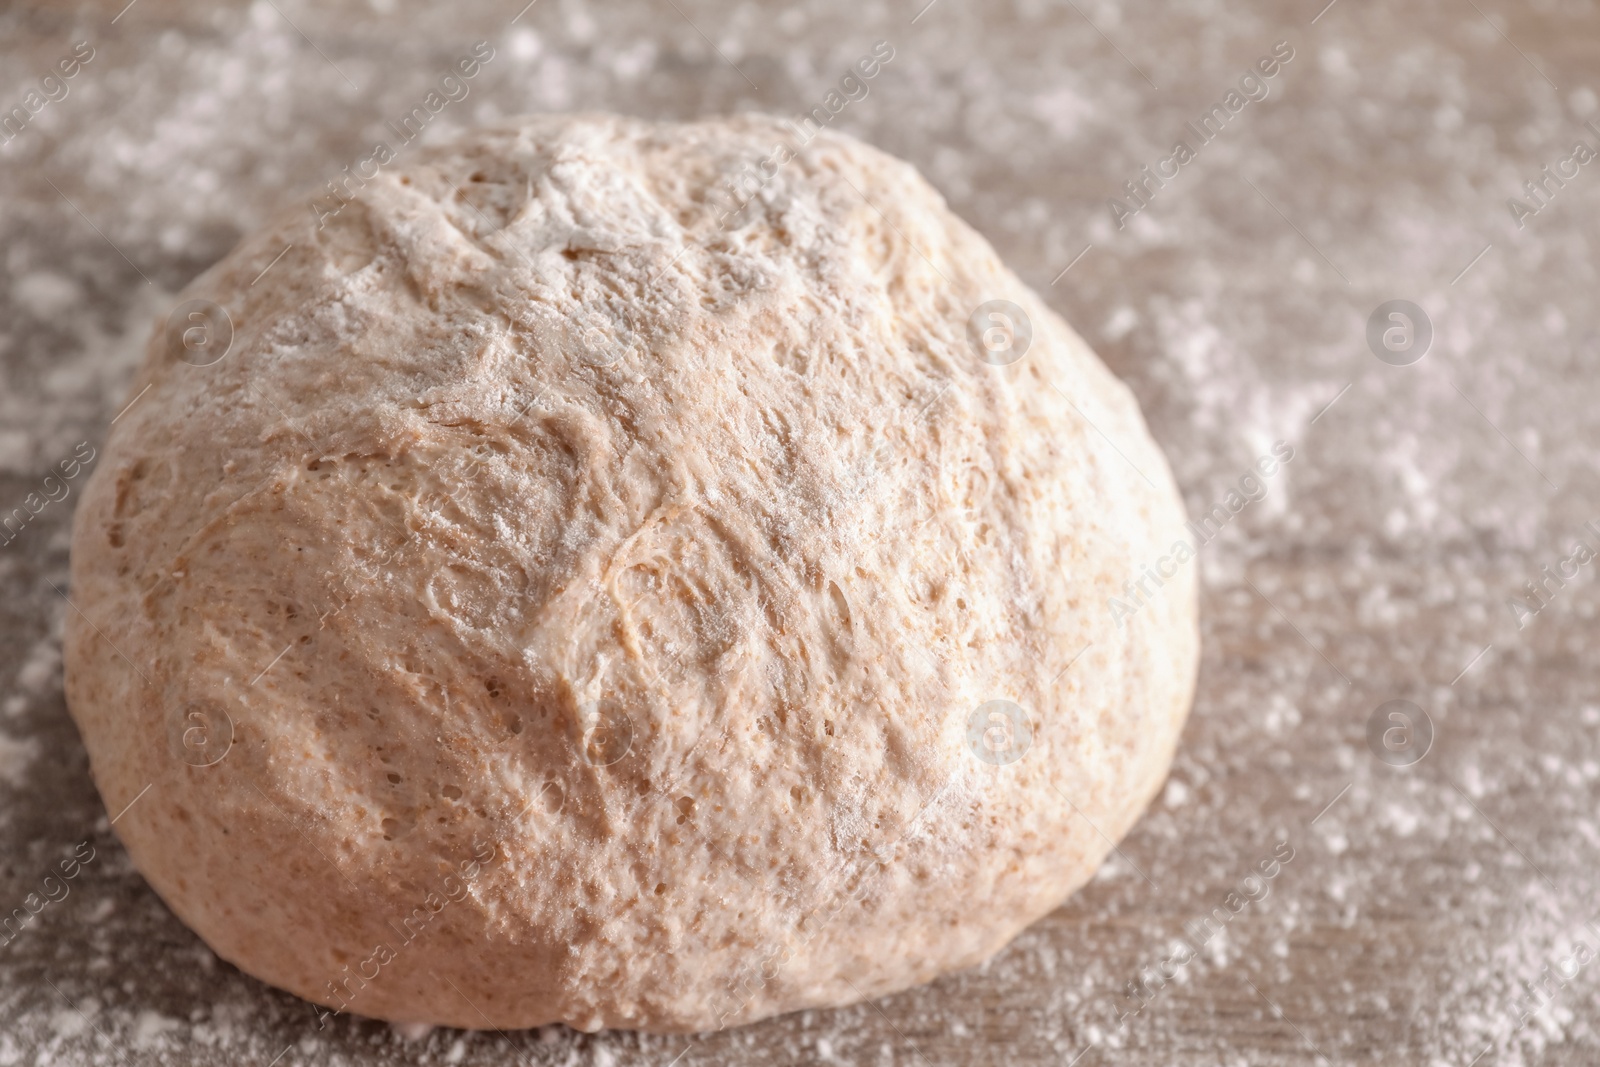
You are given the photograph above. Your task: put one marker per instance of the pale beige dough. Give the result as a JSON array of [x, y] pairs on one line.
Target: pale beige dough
[[564, 603]]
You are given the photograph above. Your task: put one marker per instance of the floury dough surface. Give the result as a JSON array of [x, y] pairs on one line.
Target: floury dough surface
[[561, 605]]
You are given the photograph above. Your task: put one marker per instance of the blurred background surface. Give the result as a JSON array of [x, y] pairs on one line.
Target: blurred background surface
[[1432, 903]]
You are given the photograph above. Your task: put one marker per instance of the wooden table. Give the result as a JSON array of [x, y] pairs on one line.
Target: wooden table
[[1235, 300]]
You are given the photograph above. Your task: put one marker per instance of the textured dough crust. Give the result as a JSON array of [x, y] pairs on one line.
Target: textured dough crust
[[524, 460]]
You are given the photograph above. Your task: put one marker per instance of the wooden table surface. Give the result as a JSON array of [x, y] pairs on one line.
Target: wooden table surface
[[1427, 906]]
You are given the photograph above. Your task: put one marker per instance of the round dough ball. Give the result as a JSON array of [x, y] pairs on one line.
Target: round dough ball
[[615, 573]]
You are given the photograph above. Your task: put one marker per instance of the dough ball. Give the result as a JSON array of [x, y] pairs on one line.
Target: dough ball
[[618, 574]]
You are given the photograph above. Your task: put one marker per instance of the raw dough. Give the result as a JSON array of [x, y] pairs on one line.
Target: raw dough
[[564, 598]]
